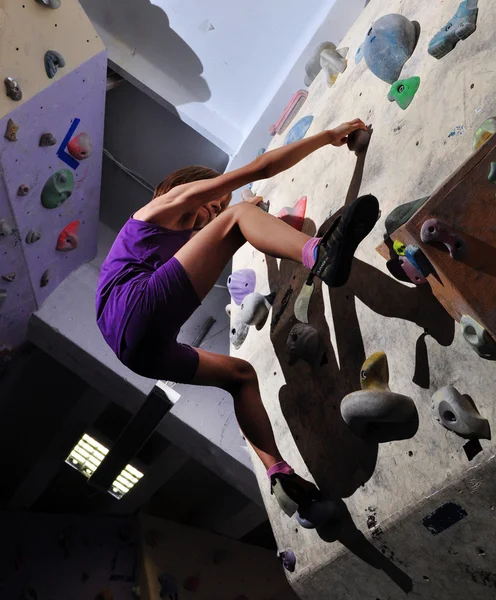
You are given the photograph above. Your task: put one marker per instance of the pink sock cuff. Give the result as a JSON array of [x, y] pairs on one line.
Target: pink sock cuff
[[308, 254], [280, 467]]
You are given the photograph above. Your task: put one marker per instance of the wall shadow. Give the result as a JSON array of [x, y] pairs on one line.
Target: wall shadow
[[145, 29]]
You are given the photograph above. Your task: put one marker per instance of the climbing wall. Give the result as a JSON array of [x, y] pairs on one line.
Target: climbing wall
[[418, 514], [50, 154]]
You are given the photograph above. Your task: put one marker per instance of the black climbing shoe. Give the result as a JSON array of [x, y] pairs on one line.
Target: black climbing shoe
[[339, 243]]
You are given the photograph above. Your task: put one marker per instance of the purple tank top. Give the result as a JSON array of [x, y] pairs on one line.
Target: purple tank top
[[138, 251]]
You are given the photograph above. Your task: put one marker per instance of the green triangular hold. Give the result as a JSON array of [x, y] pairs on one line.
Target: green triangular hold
[[403, 91]]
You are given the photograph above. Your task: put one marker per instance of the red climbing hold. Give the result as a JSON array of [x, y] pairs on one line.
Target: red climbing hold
[[80, 146], [191, 584], [294, 216], [68, 239]]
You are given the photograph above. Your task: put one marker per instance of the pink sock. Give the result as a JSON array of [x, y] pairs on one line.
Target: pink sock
[[309, 254], [280, 467]]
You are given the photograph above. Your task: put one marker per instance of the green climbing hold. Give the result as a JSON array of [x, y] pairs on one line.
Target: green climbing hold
[[57, 188], [492, 172], [403, 91], [399, 248]]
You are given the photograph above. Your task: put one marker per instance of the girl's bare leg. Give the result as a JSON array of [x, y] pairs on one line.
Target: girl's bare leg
[[208, 252]]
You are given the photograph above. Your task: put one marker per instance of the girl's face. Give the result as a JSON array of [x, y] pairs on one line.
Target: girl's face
[[208, 212]]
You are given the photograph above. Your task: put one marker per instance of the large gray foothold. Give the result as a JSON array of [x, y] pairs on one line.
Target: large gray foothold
[[305, 343], [376, 413], [53, 62], [389, 44], [255, 309], [458, 413], [238, 333], [32, 236], [49, 3], [5, 228], [478, 338]]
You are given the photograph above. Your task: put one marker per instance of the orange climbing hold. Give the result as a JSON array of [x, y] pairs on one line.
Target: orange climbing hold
[[80, 146], [294, 216], [68, 239]]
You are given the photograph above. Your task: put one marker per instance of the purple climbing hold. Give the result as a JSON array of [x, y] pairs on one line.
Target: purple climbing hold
[[413, 274], [288, 560], [241, 283]]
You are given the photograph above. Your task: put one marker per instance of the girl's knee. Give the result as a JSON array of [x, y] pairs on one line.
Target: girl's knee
[[241, 373]]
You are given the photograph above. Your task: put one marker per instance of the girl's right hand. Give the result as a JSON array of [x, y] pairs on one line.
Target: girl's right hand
[[339, 135], [248, 197]]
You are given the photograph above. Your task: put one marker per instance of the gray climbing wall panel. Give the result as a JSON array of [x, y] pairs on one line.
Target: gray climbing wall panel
[[70, 106]]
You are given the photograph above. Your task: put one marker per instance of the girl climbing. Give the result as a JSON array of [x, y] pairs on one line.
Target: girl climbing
[[170, 253]]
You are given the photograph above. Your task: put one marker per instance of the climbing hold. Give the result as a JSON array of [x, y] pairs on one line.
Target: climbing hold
[[375, 412], [458, 413], [80, 146], [359, 55], [23, 190], [3, 297], [389, 44], [9, 276], [492, 172], [168, 585], [305, 343], [418, 259], [11, 131], [295, 215], [255, 309], [434, 230], [289, 113], [12, 89], [238, 333], [53, 62], [401, 214], [105, 594], [248, 194], [333, 63], [478, 338], [413, 274], [68, 239], [313, 65], [359, 140], [45, 279], [57, 189], [288, 560], [484, 132], [5, 228], [298, 131], [399, 248], [32, 236], [191, 584], [403, 91], [49, 3], [47, 139], [302, 303], [460, 27], [394, 267], [241, 283]]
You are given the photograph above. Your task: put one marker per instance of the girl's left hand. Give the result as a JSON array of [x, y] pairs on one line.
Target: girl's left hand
[[253, 200], [339, 135]]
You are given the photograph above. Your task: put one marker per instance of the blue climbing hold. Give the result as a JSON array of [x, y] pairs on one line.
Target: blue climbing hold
[[418, 259], [359, 55], [460, 27], [298, 131], [389, 44]]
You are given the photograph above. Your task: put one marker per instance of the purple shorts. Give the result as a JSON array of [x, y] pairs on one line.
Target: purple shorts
[[149, 344]]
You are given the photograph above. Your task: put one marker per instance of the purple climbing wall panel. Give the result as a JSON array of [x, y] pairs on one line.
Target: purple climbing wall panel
[[71, 105]]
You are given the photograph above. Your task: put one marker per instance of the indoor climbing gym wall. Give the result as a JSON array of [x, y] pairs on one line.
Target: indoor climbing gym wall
[[51, 121], [382, 391]]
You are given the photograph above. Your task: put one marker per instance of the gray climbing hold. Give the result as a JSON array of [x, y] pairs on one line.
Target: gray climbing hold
[[255, 309], [313, 66], [238, 333], [53, 62], [305, 343], [5, 228], [458, 413], [32, 236], [45, 278], [478, 338], [23, 190], [376, 413], [3, 297], [49, 3], [9, 276], [12, 89], [333, 63], [302, 303], [47, 139], [359, 140], [461, 26], [401, 214], [389, 44]]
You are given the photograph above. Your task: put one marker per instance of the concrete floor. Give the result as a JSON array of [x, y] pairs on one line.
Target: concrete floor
[[385, 548]]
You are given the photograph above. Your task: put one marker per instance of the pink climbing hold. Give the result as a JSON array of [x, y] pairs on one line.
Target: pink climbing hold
[[68, 239], [80, 146], [290, 112], [191, 584], [294, 216]]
